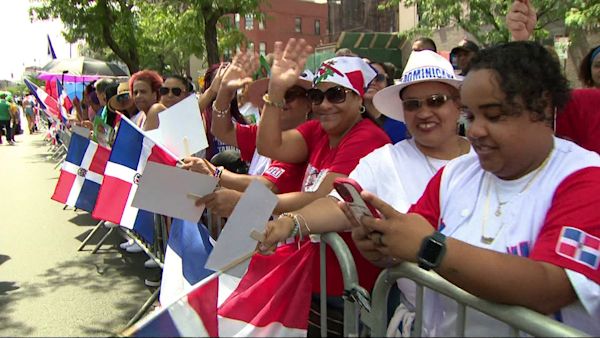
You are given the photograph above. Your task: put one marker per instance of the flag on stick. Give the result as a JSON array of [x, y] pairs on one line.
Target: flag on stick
[[81, 174], [131, 151], [45, 100]]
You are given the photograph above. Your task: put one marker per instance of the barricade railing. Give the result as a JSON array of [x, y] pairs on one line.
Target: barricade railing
[[355, 296], [517, 317]]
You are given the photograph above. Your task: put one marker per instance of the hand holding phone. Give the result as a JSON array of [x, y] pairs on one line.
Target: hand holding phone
[[350, 190]]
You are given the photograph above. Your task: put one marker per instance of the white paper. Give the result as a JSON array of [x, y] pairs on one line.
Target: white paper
[[165, 190], [180, 121], [156, 136], [79, 130], [252, 212]]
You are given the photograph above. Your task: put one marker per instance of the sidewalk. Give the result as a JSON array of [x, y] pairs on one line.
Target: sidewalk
[[47, 287]]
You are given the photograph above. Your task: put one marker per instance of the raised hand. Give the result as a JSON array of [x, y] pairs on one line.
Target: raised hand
[[288, 64], [240, 71], [521, 20], [216, 81]]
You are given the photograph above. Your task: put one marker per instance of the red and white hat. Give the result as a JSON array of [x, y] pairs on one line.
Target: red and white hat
[[347, 71], [422, 66]]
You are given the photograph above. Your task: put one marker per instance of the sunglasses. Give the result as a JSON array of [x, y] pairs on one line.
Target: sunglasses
[[335, 94], [165, 90], [434, 101], [123, 97], [380, 78], [294, 93]]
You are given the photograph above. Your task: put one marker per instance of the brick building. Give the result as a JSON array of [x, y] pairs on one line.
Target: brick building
[[285, 19]]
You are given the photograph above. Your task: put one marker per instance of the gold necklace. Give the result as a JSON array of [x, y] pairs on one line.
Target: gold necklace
[[489, 240]]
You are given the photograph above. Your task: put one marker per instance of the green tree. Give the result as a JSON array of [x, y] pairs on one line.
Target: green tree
[[157, 34], [583, 14], [485, 19]]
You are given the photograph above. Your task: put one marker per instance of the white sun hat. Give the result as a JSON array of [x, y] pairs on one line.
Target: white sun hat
[[422, 66]]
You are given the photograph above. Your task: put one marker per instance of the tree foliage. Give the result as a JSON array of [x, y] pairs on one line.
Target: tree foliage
[[485, 19], [156, 34]]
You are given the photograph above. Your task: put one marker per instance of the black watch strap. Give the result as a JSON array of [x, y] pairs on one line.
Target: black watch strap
[[432, 251]]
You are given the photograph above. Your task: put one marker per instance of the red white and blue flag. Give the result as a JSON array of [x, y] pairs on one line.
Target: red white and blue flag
[[81, 174], [46, 101], [64, 102], [579, 246], [271, 300], [131, 151], [187, 251]]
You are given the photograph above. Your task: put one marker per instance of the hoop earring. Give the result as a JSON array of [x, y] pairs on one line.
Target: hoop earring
[[362, 109]]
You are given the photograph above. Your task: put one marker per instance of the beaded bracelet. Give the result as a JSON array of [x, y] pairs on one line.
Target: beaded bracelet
[[218, 172], [220, 113], [296, 223]]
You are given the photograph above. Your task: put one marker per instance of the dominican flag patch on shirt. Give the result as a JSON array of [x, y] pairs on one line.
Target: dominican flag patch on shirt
[[579, 246]]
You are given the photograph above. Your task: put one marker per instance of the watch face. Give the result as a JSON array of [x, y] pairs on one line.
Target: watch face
[[431, 252]]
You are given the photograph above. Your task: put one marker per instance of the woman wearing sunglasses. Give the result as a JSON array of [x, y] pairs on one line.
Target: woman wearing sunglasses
[[332, 144], [174, 89], [428, 103]]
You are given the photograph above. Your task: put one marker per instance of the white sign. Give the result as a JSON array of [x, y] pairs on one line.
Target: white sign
[[182, 128], [172, 191]]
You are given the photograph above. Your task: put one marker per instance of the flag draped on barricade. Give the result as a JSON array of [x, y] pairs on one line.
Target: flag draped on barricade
[[187, 251], [131, 151], [271, 300], [81, 174]]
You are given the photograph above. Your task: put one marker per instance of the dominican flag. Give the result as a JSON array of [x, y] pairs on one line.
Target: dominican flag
[[188, 249], [64, 102], [81, 174], [579, 246], [45, 100], [131, 151], [271, 300]]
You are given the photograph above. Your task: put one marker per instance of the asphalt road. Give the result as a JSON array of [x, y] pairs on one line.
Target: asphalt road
[[47, 287]]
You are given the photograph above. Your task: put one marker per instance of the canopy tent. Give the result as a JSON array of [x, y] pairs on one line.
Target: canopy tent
[[380, 47]]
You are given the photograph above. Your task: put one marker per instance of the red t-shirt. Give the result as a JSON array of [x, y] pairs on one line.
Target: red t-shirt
[[363, 138], [286, 176], [580, 120]]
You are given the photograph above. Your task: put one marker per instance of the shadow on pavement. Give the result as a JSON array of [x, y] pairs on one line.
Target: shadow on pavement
[[9, 295], [83, 219]]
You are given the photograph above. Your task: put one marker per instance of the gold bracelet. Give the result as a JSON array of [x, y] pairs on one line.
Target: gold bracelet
[[220, 113], [268, 102]]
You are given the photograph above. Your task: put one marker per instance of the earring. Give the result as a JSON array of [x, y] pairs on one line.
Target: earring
[[362, 110]]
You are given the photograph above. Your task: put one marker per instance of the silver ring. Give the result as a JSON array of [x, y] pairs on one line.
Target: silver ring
[[376, 237]]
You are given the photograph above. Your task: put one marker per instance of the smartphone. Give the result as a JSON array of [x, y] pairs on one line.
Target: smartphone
[[350, 190]]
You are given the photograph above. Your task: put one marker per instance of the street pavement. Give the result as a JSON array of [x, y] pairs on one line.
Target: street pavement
[[47, 287]]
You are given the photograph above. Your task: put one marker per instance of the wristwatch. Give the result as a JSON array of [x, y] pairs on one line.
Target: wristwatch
[[432, 251]]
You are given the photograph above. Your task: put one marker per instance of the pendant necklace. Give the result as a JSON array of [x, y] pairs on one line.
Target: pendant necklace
[[498, 213]]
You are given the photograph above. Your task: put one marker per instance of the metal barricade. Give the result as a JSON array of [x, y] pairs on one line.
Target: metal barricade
[[517, 317], [355, 296]]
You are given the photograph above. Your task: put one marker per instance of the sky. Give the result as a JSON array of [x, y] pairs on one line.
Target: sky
[[24, 43]]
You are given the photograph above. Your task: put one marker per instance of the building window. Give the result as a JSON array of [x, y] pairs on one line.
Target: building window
[[261, 24], [262, 48], [317, 27], [236, 19], [298, 28], [249, 18], [251, 46]]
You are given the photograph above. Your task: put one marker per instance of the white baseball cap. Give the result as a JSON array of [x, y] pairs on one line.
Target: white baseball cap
[[422, 66]]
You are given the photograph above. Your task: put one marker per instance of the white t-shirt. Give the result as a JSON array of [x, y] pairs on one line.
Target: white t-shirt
[[537, 212]]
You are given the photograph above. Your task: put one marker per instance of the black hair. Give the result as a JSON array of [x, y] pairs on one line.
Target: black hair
[[428, 42], [527, 70], [188, 85], [585, 69], [389, 69]]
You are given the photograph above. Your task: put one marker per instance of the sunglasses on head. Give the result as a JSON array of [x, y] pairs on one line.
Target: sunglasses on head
[[335, 94], [433, 101], [165, 90], [123, 97]]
